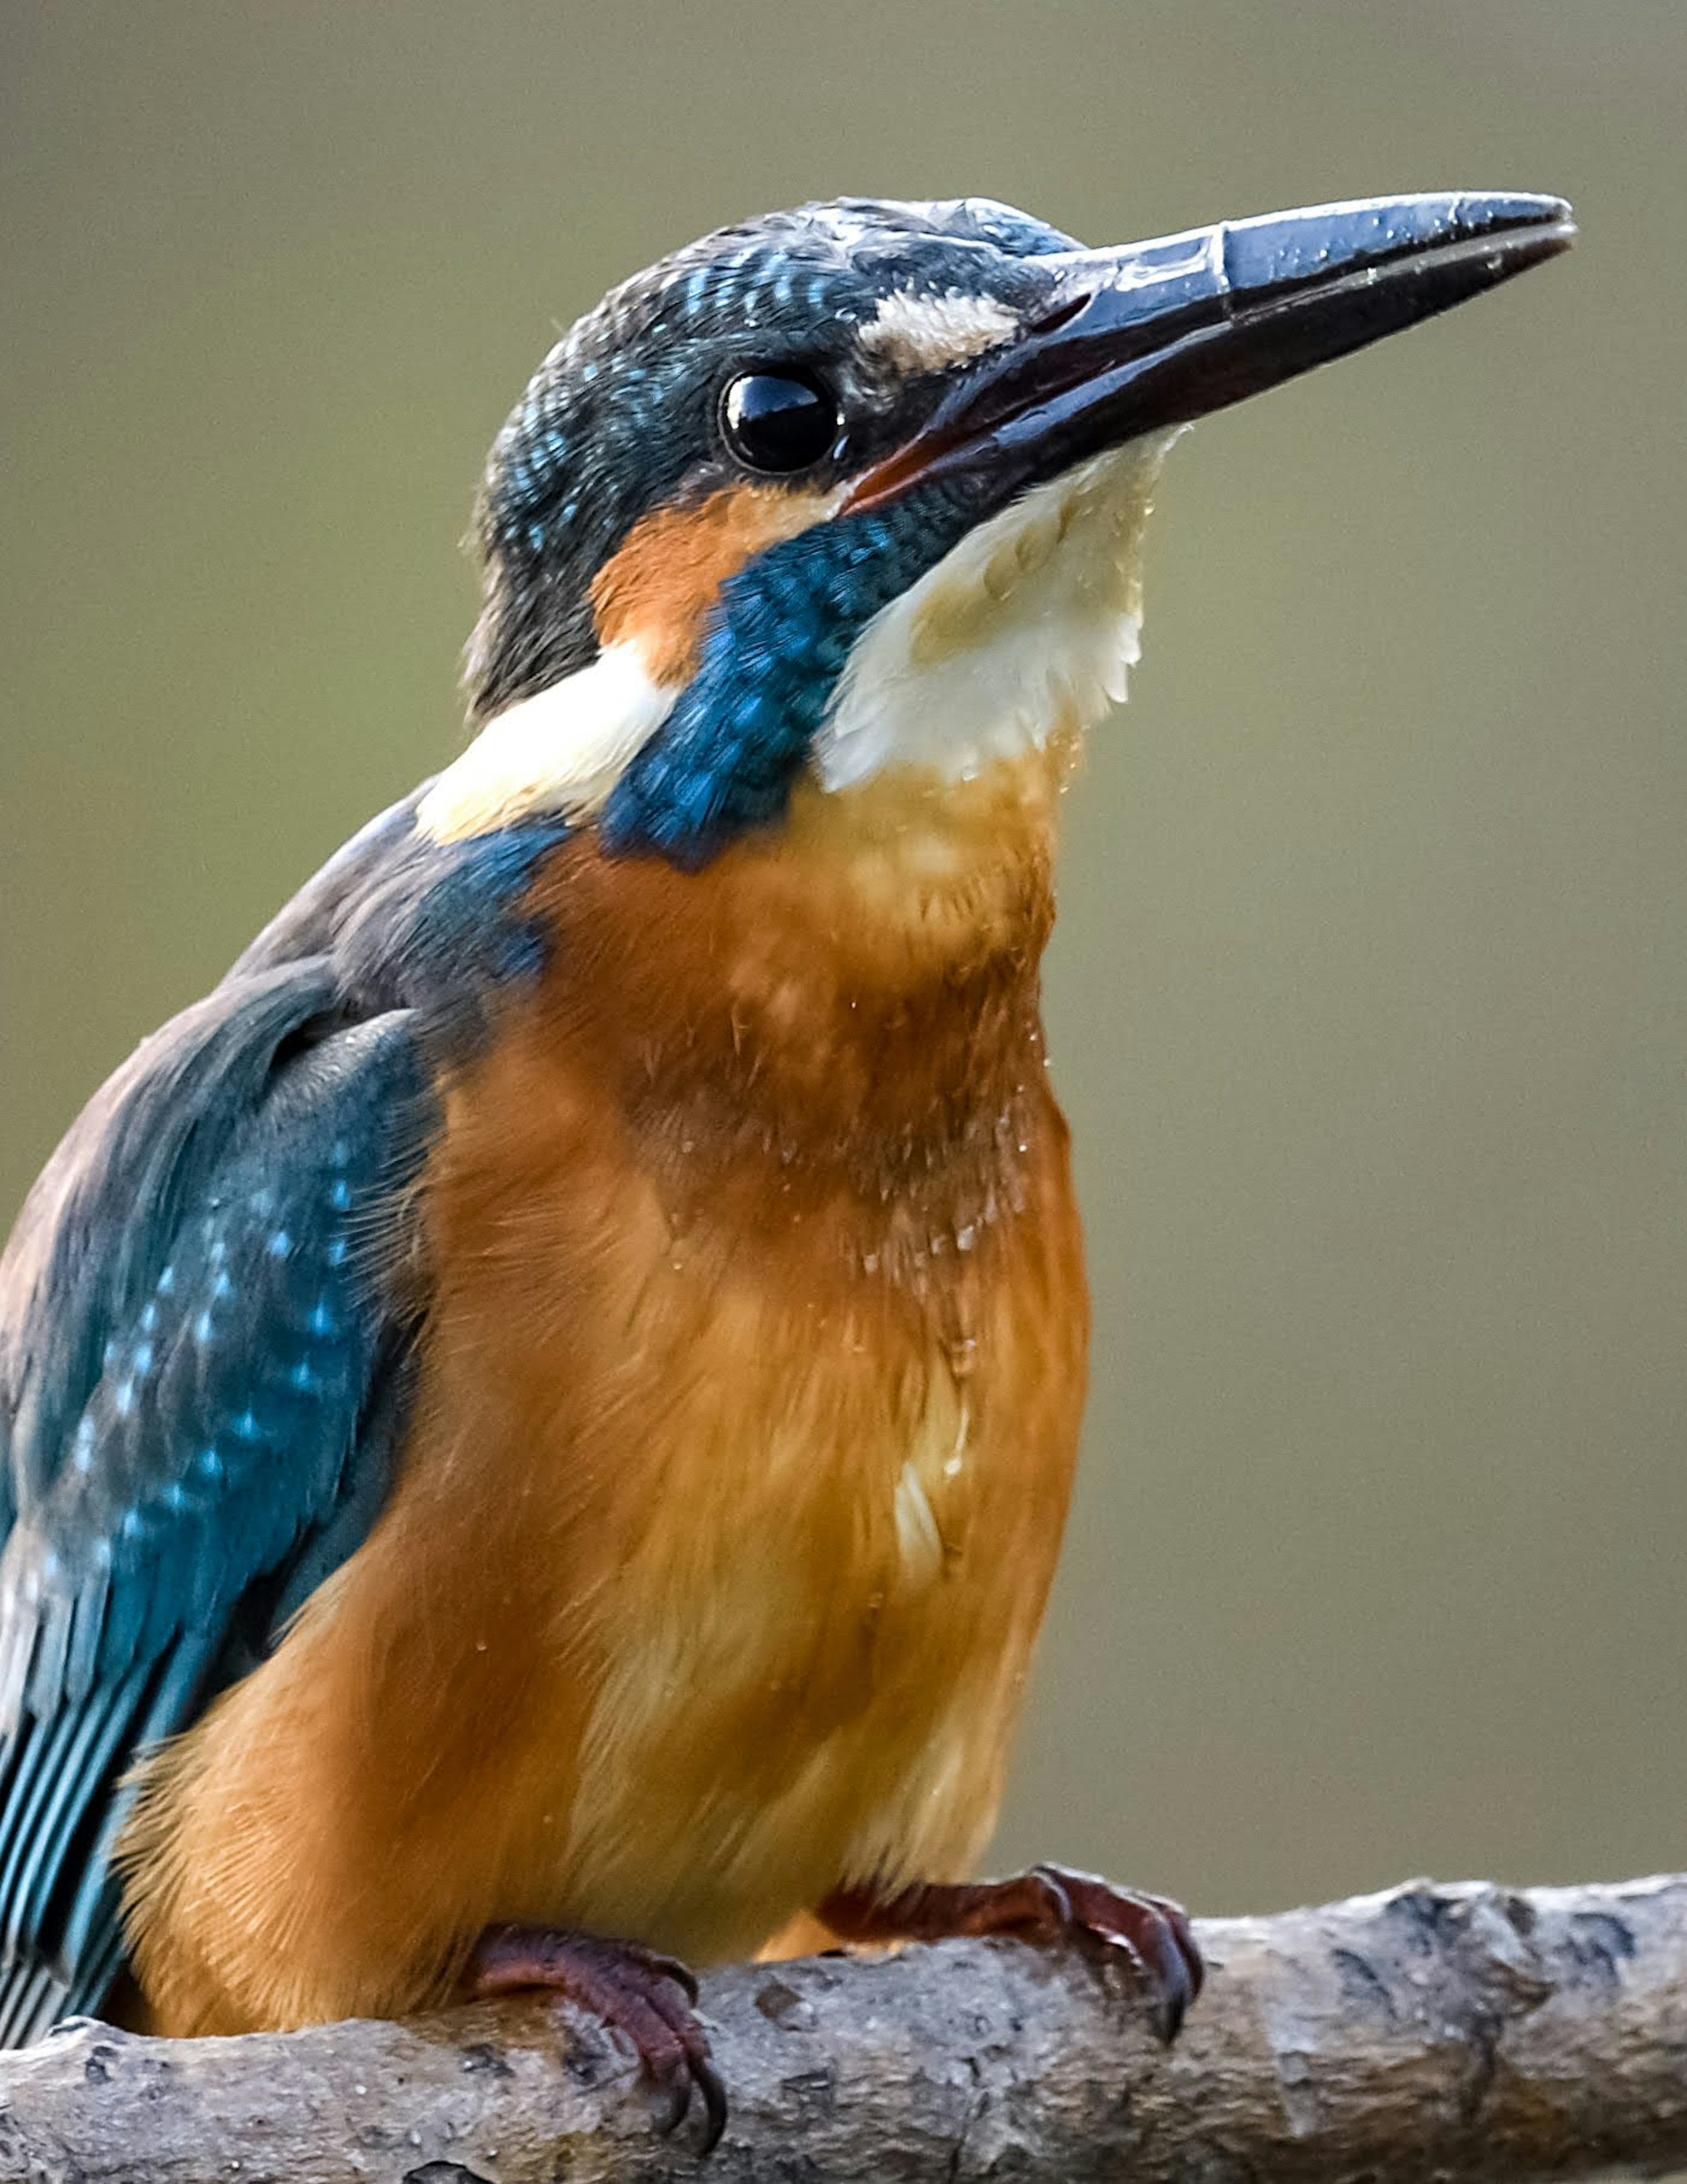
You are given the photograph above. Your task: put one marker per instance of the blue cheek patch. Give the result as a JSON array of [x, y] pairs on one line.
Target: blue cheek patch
[[726, 757]]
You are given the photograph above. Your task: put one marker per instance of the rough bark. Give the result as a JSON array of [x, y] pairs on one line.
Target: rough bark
[[1462, 2033]]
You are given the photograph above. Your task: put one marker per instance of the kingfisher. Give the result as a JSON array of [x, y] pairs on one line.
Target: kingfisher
[[538, 1416]]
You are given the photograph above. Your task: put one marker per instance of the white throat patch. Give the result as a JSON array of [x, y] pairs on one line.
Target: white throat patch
[[1030, 624], [561, 750]]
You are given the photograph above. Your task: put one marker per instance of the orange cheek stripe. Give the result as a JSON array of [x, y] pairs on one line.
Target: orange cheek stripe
[[656, 590]]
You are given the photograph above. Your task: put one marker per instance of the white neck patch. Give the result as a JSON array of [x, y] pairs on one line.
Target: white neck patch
[[561, 750], [1030, 624]]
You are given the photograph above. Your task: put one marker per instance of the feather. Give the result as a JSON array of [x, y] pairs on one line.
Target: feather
[[202, 1374]]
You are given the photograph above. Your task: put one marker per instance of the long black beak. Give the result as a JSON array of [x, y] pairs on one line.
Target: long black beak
[[1153, 334]]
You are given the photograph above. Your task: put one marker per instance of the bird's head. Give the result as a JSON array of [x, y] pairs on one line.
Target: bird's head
[[855, 493]]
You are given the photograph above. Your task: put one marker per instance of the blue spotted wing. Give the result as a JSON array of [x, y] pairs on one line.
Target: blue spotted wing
[[204, 1352]]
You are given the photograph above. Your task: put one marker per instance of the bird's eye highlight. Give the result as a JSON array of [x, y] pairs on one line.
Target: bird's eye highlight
[[777, 420]]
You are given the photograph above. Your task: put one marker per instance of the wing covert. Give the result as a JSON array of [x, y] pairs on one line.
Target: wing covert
[[205, 1332]]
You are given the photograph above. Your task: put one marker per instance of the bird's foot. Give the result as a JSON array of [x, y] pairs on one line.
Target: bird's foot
[[1149, 1934], [650, 2000]]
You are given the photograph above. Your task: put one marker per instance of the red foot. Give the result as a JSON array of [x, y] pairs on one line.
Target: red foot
[[1149, 1933], [649, 1999]]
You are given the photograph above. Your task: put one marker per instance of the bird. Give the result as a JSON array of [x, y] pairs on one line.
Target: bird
[[538, 1416]]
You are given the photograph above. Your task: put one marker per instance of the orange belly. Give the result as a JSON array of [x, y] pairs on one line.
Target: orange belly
[[741, 1456]]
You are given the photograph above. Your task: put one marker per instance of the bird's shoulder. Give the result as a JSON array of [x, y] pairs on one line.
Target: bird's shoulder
[[409, 920]]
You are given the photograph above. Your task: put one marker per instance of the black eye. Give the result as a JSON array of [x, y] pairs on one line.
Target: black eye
[[777, 420]]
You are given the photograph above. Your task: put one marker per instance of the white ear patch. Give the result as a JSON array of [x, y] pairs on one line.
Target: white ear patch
[[1030, 624], [911, 333], [561, 750]]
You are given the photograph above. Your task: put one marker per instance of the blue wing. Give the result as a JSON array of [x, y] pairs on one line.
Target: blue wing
[[209, 1313], [204, 1357]]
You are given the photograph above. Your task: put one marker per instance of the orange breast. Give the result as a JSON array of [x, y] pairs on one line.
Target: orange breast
[[741, 1458]]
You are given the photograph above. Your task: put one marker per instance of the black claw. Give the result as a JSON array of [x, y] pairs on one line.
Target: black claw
[[1163, 1986], [1170, 1986], [713, 2088], [670, 1968], [1194, 1965], [695, 2074], [1166, 2013], [692, 2069]]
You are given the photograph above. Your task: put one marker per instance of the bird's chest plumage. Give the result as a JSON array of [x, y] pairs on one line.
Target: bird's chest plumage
[[758, 1351], [750, 1371]]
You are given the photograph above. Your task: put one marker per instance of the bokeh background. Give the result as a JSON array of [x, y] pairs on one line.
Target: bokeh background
[[1367, 1000]]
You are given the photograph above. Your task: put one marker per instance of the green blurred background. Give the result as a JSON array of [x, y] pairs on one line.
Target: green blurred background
[[1367, 1000]]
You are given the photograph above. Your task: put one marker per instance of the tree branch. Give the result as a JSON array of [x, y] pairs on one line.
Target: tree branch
[[1480, 2035]]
